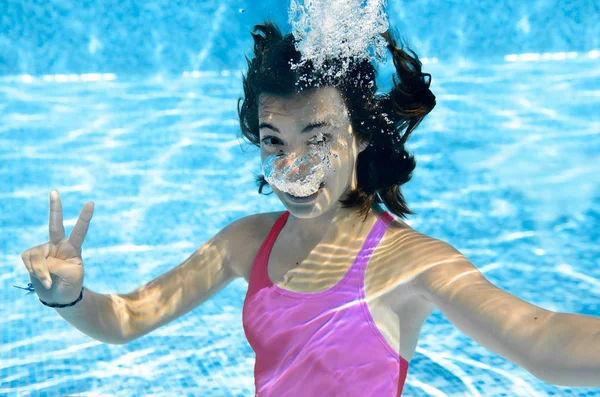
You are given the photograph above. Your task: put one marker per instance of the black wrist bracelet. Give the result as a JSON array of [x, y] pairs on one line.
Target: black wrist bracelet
[[66, 304]]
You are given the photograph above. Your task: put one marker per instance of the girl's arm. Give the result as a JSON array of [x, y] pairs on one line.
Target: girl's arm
[[558, 348], [184, 287]]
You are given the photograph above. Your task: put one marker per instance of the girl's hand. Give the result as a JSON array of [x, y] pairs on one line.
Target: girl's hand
[[56, 268]]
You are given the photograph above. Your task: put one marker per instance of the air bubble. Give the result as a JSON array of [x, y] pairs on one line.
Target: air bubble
[[343, 29], [303, 177]]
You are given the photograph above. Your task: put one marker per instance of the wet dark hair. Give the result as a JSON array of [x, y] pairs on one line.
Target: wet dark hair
[[379, 119]]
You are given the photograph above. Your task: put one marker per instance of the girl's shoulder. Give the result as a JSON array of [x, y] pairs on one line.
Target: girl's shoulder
[[250, 233]]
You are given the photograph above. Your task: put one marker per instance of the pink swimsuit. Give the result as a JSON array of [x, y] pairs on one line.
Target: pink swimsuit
[[321, 344]]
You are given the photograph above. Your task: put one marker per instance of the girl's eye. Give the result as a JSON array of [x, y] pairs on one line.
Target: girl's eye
[[326, 137], [319, 142], [267, 137]]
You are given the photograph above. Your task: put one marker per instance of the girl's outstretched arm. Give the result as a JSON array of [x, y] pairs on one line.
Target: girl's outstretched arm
[[558, 348]]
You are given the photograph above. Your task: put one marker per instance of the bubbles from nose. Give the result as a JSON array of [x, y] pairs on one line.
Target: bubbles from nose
[[297, 174]]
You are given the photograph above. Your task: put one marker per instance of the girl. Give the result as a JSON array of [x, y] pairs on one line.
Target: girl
[[338, 288]]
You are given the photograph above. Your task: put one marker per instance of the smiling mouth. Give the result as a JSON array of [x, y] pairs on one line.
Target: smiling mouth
[[309, 196]]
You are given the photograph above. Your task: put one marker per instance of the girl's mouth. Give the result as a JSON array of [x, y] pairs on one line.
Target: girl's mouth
[[307, 199]]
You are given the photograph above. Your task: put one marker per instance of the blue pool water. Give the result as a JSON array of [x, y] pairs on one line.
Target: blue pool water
[[507, 172]]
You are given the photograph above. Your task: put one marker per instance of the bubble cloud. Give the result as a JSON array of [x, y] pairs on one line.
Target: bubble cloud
[[298, 175], [342, 29]]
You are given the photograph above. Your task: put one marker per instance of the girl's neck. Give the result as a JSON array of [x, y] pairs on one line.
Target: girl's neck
[[339, 220]]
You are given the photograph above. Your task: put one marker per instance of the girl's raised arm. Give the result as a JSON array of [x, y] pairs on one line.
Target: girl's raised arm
[[558, 348]]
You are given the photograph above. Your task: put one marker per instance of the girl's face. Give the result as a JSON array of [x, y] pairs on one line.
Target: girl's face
[[308, 149]]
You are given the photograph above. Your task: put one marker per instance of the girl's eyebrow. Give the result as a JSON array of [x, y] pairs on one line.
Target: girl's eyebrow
[[315, 125], [306, 129]]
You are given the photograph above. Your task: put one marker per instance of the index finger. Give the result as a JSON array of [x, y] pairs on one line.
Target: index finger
[[57, 229]]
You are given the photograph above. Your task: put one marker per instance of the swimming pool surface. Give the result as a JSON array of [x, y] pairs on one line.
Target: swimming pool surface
[[507, 172]]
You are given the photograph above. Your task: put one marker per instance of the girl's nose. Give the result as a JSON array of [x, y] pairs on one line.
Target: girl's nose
[[296, 174], [300, 165]]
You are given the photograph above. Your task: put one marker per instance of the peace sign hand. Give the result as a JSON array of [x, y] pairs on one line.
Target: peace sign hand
[[58, 262]]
